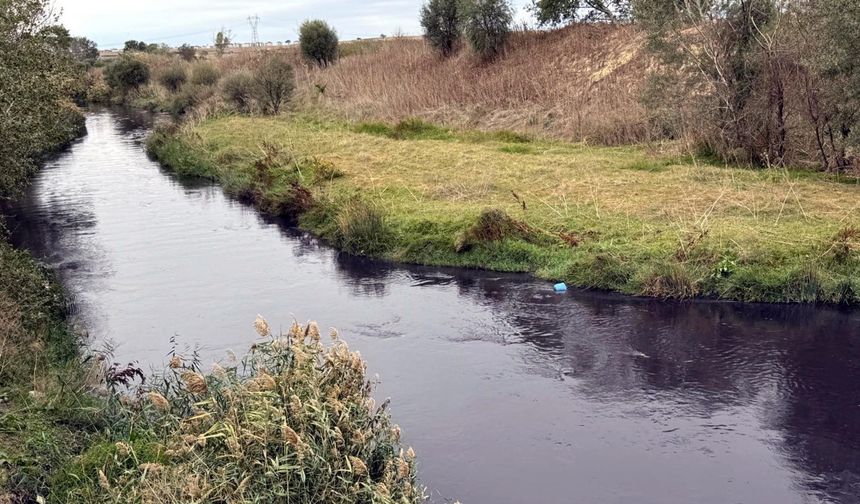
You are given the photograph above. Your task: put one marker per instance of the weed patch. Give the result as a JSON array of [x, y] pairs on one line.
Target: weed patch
[[669, 280]]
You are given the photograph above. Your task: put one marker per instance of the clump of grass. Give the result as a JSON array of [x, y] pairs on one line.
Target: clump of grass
[[804, 285], [846, 243], [493, 225], [362, 228], [407, 129], [602, 270], [373, 128], [846, 292], [516, 149], [416, 129], [322, 170], [294, 422], [669, 280], [509, 137]]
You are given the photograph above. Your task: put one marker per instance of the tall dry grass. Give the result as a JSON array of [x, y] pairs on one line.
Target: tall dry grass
[[294, 422], [583, 82]]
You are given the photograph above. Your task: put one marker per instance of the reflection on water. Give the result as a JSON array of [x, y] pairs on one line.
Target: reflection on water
[[509, 392]]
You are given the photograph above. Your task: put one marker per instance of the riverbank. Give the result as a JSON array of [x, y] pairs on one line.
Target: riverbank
[[627, 219], [45, 385]]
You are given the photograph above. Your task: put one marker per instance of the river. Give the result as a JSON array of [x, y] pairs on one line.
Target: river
[[509, 392]]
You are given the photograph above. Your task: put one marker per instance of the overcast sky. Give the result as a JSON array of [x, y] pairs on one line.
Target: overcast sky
[[174, 22]]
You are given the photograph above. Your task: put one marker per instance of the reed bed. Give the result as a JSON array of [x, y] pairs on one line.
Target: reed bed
[[293, 422]]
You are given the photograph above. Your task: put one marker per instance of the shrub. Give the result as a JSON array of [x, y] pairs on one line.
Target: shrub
[[126, 74], [487, 26], [187, 52], [296, 418], [173, 78], [361, 229], [274, 81], [204, 74], [318, 42], [238, 90], [441, 22]]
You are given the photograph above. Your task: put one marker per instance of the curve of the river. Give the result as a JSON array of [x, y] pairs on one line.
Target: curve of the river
[[509, 392]]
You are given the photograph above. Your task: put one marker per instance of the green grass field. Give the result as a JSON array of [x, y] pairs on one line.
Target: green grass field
[[618, 218]]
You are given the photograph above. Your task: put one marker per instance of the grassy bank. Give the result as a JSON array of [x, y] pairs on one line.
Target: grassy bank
[[617, 218], [43, 395]]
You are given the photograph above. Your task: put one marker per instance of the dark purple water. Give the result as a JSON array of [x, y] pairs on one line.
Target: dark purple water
[[508, 392]]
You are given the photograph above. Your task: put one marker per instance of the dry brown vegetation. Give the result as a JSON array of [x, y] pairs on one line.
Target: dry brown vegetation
[[582, 82]]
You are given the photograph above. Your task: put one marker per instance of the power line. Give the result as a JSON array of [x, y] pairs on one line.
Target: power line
[[254, 21]]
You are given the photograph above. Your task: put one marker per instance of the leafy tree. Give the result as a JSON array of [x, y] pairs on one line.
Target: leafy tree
[[318, 42], [558, 12], [441, 22], [725, 51], [187, 52], [135, 46], [274, 82], [36, 77], [126, 73], [223, 39], [833, 88], [488, 26], [84, 51]]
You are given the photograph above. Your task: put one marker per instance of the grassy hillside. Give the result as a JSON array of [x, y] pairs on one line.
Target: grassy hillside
[[619, 218], [578, 83]]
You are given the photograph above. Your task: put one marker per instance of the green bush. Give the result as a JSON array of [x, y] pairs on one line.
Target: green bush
[[126, 73], [204, 74], [441, 22], [173, 78], [274, 82], [187, 52], [237, 89], [318, 42], [487, 26]]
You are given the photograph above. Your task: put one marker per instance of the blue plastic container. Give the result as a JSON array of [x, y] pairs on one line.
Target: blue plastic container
[[561, 287]]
